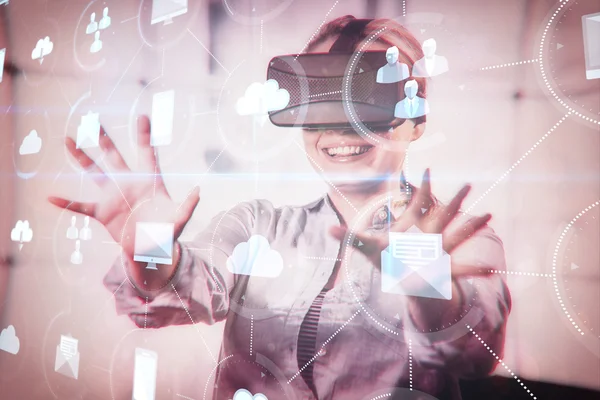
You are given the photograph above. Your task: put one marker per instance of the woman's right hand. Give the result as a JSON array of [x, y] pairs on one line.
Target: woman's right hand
[[130, 197]]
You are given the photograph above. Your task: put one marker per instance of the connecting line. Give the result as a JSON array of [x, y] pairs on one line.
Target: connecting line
[[320, 352], [501, 362], [146, 314], [195, 325], [261, 35], [183, 397], [251, 332], [404, 8], [124, 72], [318, 29], [410, 363], [495, 271], [509, 64], [208, 51], [505, 174], [324, 177], [212, 372], [323, 258], [108, 300]]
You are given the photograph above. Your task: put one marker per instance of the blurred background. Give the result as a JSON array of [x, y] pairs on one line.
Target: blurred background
[[515, 116]]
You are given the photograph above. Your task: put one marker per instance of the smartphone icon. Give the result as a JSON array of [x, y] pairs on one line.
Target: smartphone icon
[[144, 374], [163, 109], [2, 56], [591, 44]]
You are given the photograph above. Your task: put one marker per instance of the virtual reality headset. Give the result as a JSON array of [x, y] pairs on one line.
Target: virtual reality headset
[[331, 90]]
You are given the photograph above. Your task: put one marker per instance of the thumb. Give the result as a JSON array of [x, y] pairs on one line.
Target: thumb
[[185, 210]]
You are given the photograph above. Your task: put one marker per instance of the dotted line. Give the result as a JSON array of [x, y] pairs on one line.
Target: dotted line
[[324, 94], [543, 71], [319, 28], [351, 68], [212, 372], [505, 174], [501, 362], [321, 351], [495, 271], [382, 396], [324, 177], [554, 260], [410, 364], [509, 64], [404, 8], [195, 325], [324, 258], [155, 174], [146, 313], [251, 332]]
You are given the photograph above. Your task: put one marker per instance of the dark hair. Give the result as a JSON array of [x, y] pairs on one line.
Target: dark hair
[[394, 35]]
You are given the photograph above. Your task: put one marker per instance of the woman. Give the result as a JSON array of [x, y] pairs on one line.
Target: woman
[[320, 342]]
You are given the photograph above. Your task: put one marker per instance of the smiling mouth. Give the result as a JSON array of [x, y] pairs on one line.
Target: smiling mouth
[[347, 151]]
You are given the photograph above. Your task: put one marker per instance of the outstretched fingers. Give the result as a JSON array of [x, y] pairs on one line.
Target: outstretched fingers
[[89, 165], [449, 212], [466, 230], [112, 154], [88, 209], [185, 211]]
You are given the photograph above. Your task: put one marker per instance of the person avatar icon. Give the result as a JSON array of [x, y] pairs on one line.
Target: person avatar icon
[[76, 256], [393, 71], [92, 26], [72, 231], [86, 231], [97, 45], [412, 106], [431, 64], [106, 20]]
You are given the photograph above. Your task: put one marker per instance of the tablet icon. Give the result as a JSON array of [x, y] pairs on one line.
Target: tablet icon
[[88, 131], [591, 45]]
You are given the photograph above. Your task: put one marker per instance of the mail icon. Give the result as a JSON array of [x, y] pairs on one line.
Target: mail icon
[[88, 131], [415, 264], [67, 357]]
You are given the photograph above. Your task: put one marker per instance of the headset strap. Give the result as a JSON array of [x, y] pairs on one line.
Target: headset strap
[[350, 36]]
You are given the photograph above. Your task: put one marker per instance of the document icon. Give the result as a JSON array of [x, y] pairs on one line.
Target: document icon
[[154, 243], [88, 131], [67, 357], [591, 45], [415, 264]]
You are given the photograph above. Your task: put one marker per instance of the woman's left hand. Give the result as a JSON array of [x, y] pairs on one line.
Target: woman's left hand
[[429, 218]]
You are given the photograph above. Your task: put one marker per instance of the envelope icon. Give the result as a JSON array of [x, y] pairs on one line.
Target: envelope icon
[[415, 264], [67, 357]]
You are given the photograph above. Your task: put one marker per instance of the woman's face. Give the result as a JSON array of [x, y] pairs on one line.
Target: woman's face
[[350, 161]]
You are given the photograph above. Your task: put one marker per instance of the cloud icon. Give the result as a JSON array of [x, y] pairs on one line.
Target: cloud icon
[[31, 144], [9, 341], [255, 258], [243, 394], [261, 98], [42, 48], [21, 232]]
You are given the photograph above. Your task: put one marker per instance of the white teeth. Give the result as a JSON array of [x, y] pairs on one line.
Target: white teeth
[[347, 150]]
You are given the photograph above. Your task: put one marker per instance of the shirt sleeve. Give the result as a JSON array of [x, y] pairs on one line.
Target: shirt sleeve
[[461, 350], [199, 290]]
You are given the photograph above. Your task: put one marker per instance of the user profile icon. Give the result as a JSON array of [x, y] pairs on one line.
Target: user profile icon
[[432, 64], [412, 106], [393, 71]]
